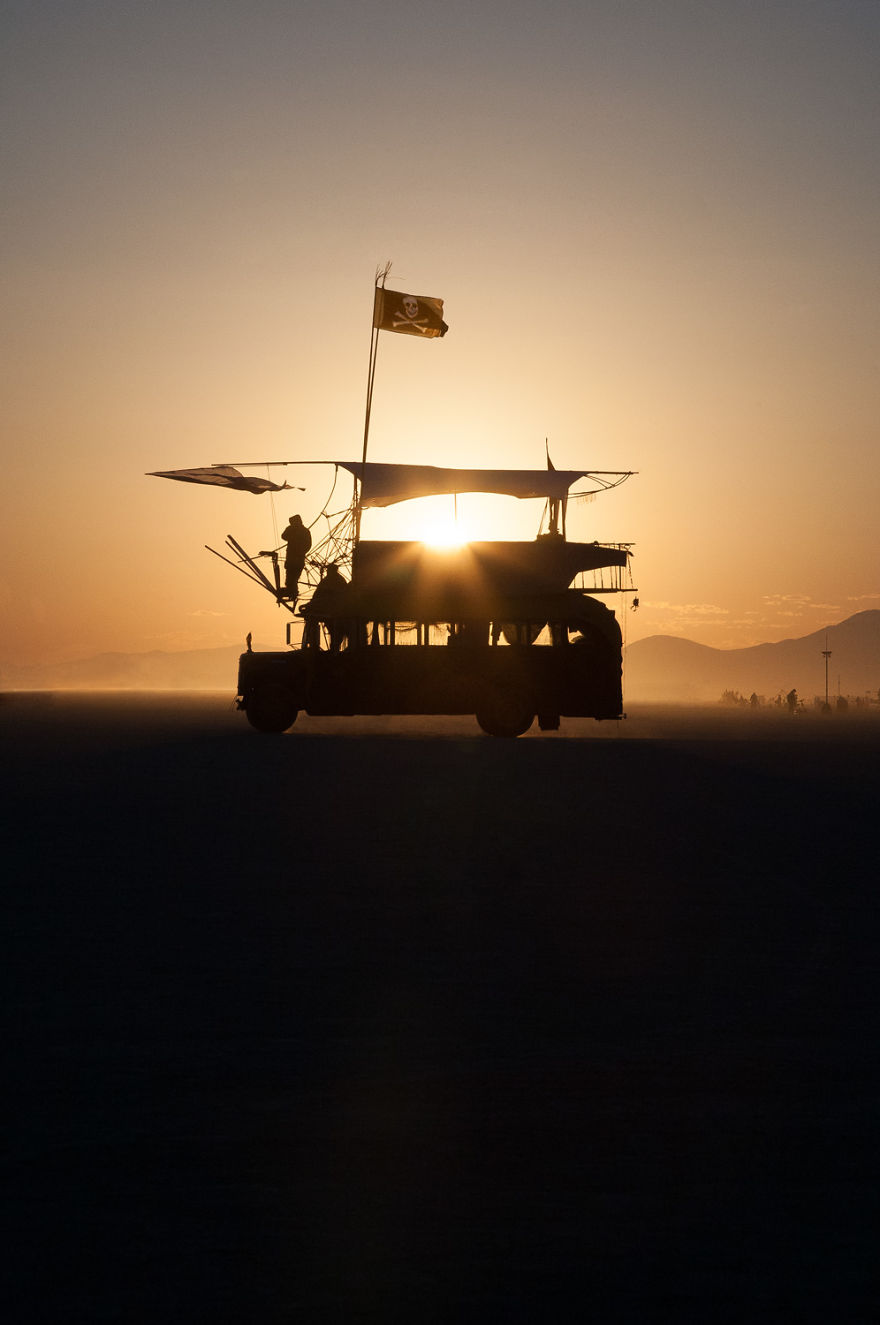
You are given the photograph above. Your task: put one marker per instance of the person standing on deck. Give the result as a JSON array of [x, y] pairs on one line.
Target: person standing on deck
[[298, 540]]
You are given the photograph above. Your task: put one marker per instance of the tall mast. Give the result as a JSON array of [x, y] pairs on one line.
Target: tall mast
[[381, 277]]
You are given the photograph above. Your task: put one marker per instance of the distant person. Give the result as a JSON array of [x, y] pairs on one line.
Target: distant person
[[299, 541], [791, 700]]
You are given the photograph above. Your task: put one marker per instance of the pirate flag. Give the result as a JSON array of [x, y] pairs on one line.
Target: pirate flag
[[411, 314]]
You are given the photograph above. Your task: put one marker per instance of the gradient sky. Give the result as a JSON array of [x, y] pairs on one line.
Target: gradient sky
[[654, 226]]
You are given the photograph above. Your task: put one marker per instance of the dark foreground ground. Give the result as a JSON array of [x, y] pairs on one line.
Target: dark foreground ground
[[378, 1022]]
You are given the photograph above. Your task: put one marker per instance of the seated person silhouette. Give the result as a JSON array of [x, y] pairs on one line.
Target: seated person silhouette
[[328, 604]]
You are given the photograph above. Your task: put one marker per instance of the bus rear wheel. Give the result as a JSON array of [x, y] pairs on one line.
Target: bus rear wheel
[[271, 707], [505, 712]]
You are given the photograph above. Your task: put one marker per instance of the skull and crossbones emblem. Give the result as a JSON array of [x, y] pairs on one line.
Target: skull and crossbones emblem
[[410, 315]]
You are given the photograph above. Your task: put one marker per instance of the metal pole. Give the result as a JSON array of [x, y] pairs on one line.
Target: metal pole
[[826, 654], [248, 559]]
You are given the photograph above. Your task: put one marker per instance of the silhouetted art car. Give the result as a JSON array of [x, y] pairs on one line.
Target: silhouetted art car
[[494, 629], [491, 629]]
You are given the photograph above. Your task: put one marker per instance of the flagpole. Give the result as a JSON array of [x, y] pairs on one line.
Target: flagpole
[[381, 277]]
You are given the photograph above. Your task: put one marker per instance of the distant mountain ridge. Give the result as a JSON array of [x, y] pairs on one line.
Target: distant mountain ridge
[[193, 669], [660, 668], [668, 668]]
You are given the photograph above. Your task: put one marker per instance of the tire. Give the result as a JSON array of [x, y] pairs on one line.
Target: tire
[[505, 712], [271, 707]]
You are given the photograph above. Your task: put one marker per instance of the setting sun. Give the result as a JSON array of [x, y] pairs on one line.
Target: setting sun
[[436, 521], [444, 533]]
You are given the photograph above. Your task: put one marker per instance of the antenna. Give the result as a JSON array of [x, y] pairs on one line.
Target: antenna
[[826, 654]]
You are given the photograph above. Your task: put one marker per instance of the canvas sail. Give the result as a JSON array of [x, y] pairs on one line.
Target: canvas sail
[[384, 485]]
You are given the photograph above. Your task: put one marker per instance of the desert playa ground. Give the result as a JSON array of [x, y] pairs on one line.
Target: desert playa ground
[[386, 1020]]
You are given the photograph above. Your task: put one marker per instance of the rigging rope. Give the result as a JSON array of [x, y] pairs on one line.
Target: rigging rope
[[323, 510], [276, 539]]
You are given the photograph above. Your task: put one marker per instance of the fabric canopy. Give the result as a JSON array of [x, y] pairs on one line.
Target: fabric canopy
[[383, 485], [222, 476]]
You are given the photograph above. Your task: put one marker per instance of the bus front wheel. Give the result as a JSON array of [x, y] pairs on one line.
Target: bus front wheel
[[271, 707]]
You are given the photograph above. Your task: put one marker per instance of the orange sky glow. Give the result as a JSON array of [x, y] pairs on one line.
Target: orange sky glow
[[654, 228]]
